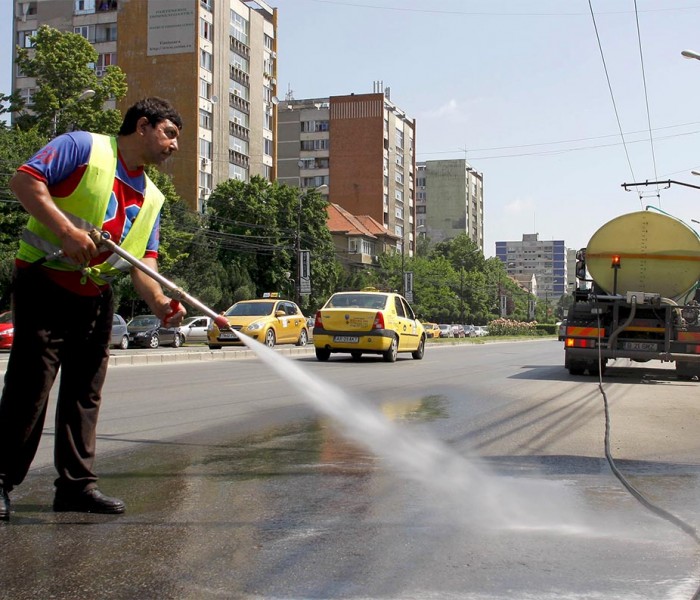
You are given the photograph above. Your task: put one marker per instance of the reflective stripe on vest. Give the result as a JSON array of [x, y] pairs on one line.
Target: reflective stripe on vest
[[86, 207]]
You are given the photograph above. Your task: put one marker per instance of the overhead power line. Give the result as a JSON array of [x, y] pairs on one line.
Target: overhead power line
[[612, 95]]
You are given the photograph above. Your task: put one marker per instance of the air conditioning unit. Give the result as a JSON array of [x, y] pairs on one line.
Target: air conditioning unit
[[205, 163], [237, 121], [236, 92], [205, 192]]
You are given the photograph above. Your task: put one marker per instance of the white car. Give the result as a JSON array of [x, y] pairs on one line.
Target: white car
[[194, 329]]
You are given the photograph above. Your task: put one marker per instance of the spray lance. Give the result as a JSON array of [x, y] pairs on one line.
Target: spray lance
[[102, 239]]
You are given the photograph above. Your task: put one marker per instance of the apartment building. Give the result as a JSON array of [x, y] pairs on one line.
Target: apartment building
[[214, 59], [362, 147], [546, 260], [450, 200]]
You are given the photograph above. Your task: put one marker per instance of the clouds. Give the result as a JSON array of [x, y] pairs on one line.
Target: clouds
[[519, 206], [450, 109]]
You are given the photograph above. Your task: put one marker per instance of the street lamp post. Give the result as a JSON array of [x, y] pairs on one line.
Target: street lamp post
[[84, 95]]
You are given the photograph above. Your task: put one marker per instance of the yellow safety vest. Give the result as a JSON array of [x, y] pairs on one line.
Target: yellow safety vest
[[86, 208]]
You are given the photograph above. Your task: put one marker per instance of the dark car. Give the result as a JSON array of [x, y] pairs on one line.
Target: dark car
[[120, 333], [458, 330], [147, 331]]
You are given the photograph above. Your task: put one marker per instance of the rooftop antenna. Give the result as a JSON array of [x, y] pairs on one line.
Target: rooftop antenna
[[290, 93]]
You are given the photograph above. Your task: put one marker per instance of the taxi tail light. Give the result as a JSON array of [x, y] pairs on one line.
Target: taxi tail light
[[378, 321], [318, 323]]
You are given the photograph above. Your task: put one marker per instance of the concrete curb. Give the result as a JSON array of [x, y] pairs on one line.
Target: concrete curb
[[198, 356]]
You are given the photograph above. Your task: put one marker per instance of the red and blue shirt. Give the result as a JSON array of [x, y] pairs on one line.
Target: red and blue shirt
[[60, 165]]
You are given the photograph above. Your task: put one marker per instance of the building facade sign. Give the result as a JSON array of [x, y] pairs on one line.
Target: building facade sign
[[171, 27]]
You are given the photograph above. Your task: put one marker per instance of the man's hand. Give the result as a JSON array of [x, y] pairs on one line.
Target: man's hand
[[152, 293], [176, 312]]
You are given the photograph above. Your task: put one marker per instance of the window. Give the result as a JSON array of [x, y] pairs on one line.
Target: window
[[27, 94], [204, 89], [314, 144], [84, 31], [23, 38], [83, 7], [400, 309], [205, 60], [314, 182], [103, 61], [205, 148], [205, 119], [239, 27], [206, 29], [399, 139], [267, 147], [106, 33], [314, 126]]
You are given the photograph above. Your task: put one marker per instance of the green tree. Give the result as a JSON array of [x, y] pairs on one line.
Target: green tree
[[16, 147], [255, 226], [60, 63]]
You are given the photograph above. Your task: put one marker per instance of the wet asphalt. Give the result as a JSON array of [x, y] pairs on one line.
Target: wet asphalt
[[275, 501]]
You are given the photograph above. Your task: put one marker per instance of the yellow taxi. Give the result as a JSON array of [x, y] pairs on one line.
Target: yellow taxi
[[368, 322], [432, 330], [268, 320]]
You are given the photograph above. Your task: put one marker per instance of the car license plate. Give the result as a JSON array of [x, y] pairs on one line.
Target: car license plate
[[346, 339], [641, 346], [227, 335]]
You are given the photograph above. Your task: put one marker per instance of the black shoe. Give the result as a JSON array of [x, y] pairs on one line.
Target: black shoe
[[91, 501], [4, 505]]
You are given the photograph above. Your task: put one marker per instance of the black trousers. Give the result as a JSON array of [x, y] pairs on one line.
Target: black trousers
[[54, 328]]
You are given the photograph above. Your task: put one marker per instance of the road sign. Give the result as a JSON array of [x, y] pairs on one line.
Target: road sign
[[408, 283], [305, 271]]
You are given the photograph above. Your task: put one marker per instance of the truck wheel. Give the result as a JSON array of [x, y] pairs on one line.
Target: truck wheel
[[687, 369], [576, 367]]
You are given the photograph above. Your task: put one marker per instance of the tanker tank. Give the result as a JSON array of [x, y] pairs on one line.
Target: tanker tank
[[658, 254]]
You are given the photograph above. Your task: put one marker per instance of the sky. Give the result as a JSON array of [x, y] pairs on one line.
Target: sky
[[557, 102]]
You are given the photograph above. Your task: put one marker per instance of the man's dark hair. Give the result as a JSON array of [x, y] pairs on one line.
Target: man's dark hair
[[154, 109]]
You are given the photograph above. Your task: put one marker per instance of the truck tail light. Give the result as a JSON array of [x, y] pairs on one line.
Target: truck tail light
[[579, 343]]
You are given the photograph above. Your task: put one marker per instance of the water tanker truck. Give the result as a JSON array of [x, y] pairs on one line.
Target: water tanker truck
[[636, 296]]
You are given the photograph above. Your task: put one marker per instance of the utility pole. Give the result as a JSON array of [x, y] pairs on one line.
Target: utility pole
[[297, 286]]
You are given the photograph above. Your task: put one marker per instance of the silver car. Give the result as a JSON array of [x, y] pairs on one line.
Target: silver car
[[120, 335], [194, 329]]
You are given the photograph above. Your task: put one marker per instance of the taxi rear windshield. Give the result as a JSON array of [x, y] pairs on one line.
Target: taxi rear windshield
[[357, 301]]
